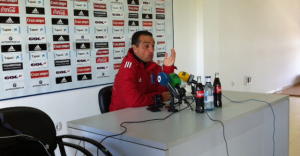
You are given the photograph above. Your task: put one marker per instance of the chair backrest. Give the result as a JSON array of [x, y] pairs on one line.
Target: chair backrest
[[32, 122], [104, 98]]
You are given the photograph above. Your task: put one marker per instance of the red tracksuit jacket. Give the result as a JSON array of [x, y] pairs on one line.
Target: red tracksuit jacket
[[136, 85]]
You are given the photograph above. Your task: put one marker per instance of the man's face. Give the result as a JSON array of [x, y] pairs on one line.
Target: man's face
[[145, 50]]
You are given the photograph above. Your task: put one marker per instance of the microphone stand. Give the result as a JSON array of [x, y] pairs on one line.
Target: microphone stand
[[172, 109]]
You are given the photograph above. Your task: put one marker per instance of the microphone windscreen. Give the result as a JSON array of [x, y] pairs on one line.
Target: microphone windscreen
[[184, 76], [163, 78], [175, 80]]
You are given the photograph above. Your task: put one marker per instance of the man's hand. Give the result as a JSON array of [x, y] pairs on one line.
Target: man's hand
[[170, 61], [166, 95]]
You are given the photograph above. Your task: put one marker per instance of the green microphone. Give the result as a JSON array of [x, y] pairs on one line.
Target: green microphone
[[175, 82]]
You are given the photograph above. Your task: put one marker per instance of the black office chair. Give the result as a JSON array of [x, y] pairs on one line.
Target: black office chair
[[104, 98], [34, 122]]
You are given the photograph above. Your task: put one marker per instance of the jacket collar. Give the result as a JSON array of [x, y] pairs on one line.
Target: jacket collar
[[148, 66]]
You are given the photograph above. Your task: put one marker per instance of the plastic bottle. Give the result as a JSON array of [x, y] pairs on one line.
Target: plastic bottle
[[208, 95]]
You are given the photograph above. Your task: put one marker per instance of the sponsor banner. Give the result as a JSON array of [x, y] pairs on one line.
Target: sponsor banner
[[102, 75], [10, 30], [36, 20], [62, 71], [9, 1], [38, 56], [100, 6], [86, 53], [147, 10], [148, 29], [159, 36], [160, 30], [35, 10], [133, 8], [60, 29], [101, 30], [82, 38], [118, 14], [10, 39], [103, 67], [160, 16], [9, 9], [65, 79], [56, 3], [147, 23], [59, 12], [13, 77], [160, 10], [61, 38], [82, 30], [9, 20], [83, 61], [62, 54], [119, 44], [161, 54], [14, 86], [117, 7], [36, 29], [133, 2], [39, 74], [39, 3], [133, 30], [36, 38], [102, 59], [40, 64], [160, 24], [12, 57], [65, 62], [117, 66], [82, 13], [40, 82], [118, 30], [102, 1], [147, 16], [101, 37], [100, 14], [83, 45], [118, 38], [161, 42], [81, 21], [159, 4], [60, 21], [37, 47], [80, 5], [116, 1], [84, 77], [101, 44], [147, 3], [81, 70], [161, 48], [133, 23], [160, 62], [119, 51], [12, 66], [133, 15], [118, 23], [63, 46], [102, 52], [11, 48], [101, 22]]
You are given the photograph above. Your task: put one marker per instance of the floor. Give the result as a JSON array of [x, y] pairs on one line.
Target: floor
[[294, 126]]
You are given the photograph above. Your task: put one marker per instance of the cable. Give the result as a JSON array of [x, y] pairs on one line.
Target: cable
[[272, 112], [223, 130]]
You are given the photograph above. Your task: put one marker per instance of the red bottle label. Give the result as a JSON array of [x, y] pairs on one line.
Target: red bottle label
[[200, 94], [219, 89]]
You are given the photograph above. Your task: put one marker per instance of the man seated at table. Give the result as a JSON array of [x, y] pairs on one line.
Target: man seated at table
[[136, 82]]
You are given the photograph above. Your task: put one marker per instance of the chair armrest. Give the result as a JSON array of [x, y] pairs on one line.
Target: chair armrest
[[91, 141]]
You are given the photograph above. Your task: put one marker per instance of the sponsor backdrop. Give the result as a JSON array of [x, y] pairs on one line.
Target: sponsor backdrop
[[57, 45]]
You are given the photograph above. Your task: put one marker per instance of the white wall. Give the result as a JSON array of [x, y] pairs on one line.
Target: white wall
[[260, 38]]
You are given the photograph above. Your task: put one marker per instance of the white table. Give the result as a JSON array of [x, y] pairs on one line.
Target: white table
[[248, 129]]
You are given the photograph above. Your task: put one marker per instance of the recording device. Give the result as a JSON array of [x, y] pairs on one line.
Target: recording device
[[157, 103], [187, 78], [176, 82]]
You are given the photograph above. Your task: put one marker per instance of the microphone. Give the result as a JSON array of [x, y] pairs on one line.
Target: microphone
[[175, 82], [164, 80], [187, 77]]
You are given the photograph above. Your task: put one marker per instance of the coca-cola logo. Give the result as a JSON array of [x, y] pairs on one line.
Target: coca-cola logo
[[9, 9], [199, 94], [102, 59], [59, 11]]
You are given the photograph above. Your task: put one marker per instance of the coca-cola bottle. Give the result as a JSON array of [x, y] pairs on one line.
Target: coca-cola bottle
[[199, 96], [217, 91]]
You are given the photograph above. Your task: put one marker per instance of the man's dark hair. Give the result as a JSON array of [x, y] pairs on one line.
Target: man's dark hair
[[135, 40]]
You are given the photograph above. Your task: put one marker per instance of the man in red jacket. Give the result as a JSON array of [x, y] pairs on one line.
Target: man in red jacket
[[136, 82]]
